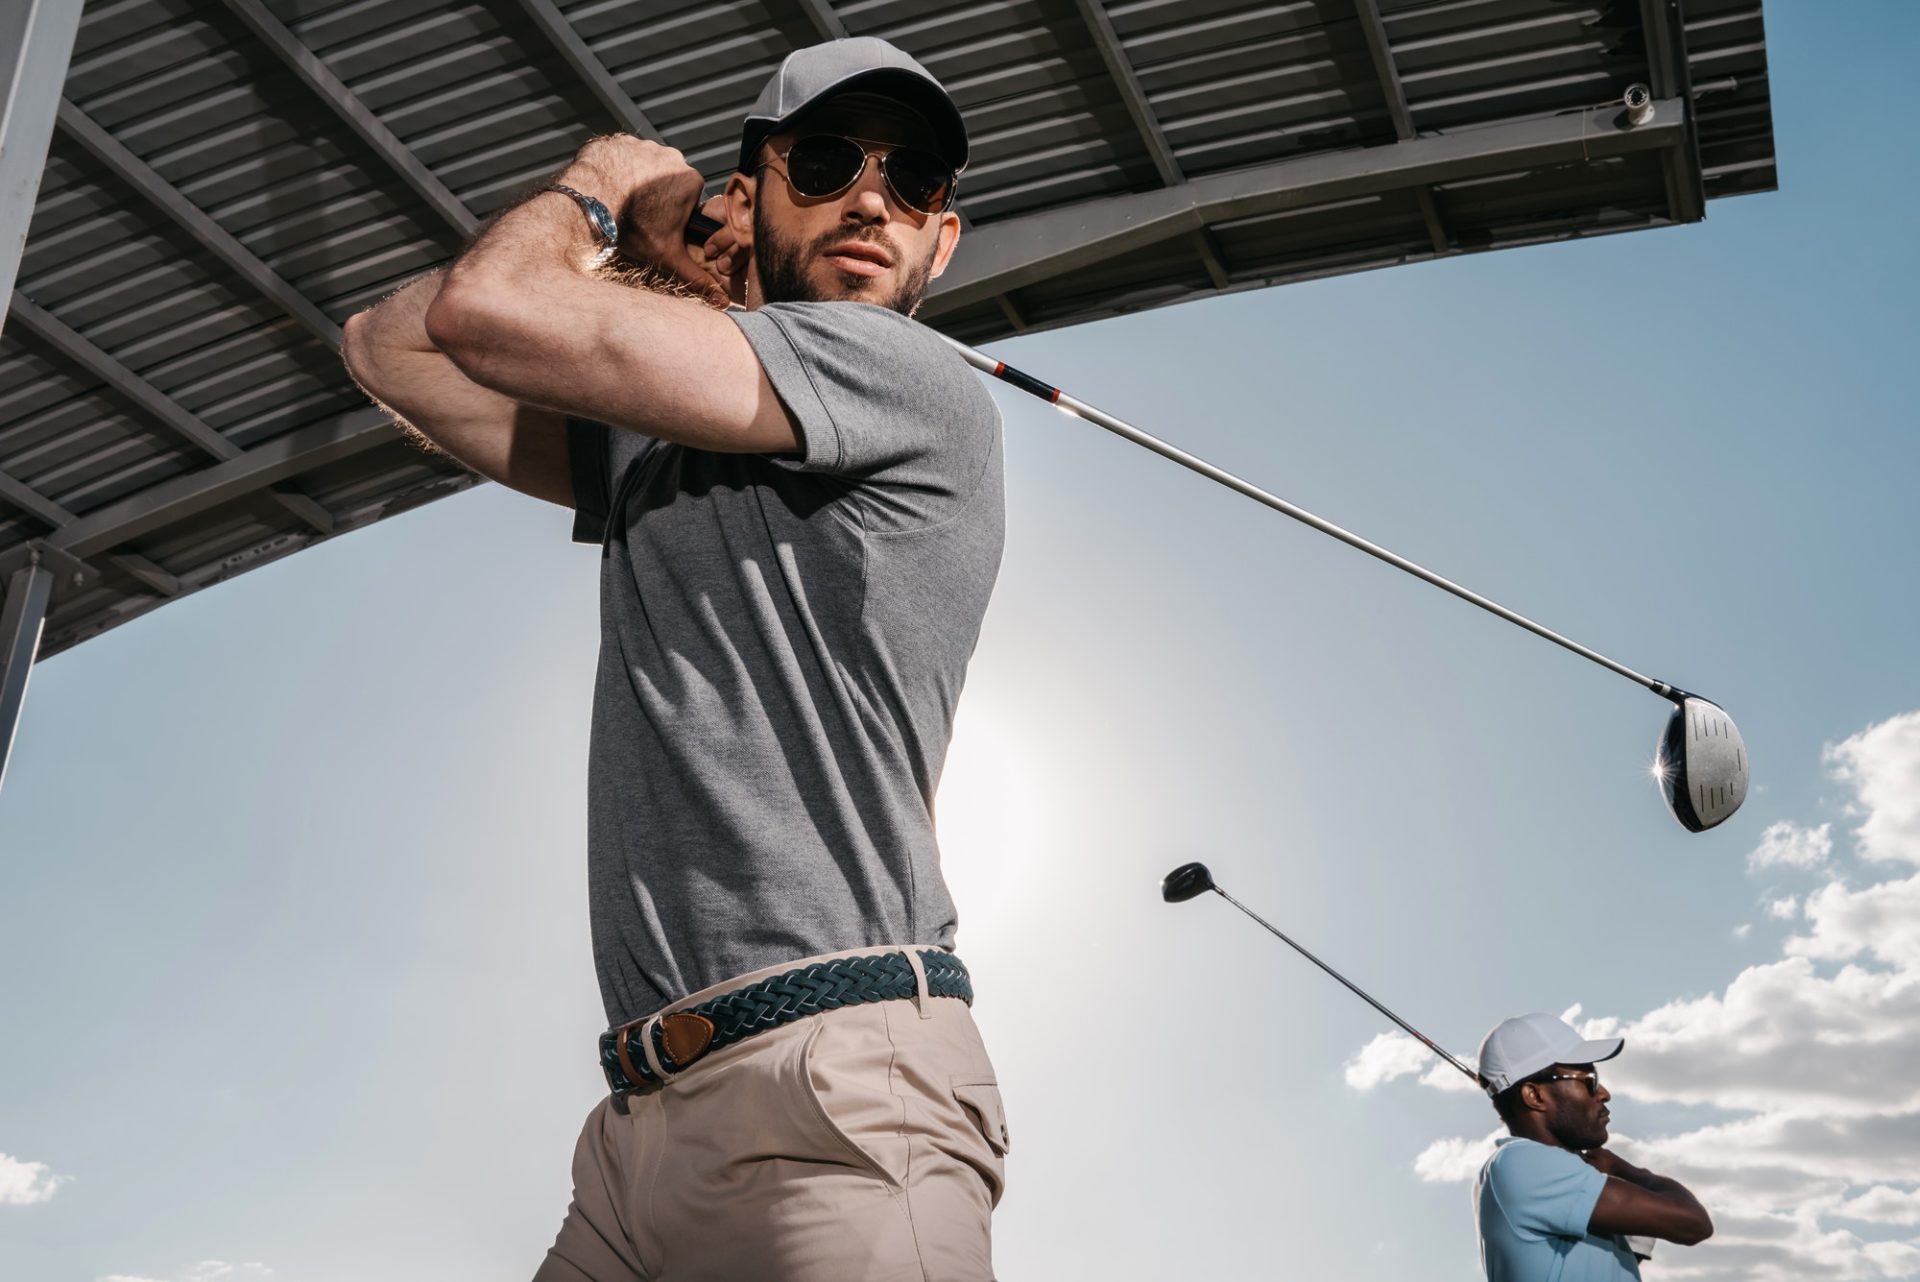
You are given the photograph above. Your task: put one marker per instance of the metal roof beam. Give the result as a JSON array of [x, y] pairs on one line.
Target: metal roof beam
[[1670, 76], [1011, 310], [276, 460], [36, 44], [1127, 82], [44, 509], [587, 67], [211, 236], [1210, 258], [150, 400], [1024, 251], [149, 574], [310, 71], [32, 502], [1395, 94], [825, 21], [1391, 89]]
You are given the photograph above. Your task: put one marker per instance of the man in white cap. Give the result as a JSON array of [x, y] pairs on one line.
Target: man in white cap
[[797, 492], [1552, 1203]]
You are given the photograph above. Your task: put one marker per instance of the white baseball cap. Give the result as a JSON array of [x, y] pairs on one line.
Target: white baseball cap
[[1518, 1048]]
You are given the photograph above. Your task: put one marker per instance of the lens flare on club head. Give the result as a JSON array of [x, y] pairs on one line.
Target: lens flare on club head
[[1705, 763]]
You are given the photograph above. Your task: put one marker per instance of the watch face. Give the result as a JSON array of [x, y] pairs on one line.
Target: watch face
[[602, 221]]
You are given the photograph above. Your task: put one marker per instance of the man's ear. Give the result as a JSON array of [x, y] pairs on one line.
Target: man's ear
[[949, 237], [741, 192]]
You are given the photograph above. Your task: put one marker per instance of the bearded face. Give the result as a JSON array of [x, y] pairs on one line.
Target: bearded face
[[795, 271]]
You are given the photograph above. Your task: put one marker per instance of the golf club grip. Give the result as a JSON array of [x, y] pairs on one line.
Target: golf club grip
[[700, 227]]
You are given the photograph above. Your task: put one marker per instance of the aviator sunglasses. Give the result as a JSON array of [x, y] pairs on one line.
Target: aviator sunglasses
[[822, 165]]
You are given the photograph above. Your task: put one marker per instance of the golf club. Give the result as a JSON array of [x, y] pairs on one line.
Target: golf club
[[1700, 761], [1191, 880]]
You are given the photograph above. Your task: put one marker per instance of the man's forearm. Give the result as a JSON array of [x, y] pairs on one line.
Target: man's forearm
[[518, 303], [1661, 1185]]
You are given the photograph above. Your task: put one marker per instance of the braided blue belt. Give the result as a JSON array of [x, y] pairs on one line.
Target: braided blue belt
[[687, 1035]]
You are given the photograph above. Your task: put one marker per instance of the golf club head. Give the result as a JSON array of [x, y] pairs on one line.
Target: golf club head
[[1184, 882], [1702, 764]]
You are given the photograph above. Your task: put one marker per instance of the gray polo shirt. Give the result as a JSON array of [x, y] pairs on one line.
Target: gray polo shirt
[[783, 641]]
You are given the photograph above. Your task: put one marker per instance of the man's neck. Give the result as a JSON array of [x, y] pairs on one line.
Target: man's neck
[[1538, 1133]]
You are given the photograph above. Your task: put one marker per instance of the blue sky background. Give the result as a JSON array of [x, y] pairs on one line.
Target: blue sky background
[[292, 903]]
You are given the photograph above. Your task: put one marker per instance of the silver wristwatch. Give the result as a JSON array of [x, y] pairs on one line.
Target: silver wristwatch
[[605, 230]]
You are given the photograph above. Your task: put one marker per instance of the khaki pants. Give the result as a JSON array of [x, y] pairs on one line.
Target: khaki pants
[[865, 1144]]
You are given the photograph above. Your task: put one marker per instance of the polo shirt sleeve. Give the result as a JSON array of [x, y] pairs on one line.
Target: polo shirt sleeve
[[881, 401], [591, 471], [1545, 1190]]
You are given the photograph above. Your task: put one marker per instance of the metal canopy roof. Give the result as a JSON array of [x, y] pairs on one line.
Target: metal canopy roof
[[228, 180]]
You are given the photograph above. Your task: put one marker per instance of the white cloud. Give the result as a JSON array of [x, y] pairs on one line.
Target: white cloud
[[1881, 921], [1386, 1057], [1882, 1204], [23, 1183], [1810, 1057], [1882, 765], [204, 1271], [1455, 1160], [1788, 845]]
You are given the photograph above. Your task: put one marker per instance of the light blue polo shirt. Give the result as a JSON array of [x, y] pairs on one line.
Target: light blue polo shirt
[[1533, 1202]]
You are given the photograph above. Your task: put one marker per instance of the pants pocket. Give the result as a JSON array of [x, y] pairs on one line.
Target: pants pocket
[[845, 1090], [980, 1096]]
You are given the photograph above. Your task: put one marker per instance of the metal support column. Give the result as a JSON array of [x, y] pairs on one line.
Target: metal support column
[[36, 43], [21, 619]]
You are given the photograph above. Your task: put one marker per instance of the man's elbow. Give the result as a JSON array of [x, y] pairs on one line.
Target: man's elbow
[[357, 352], [1696, 1233], [460, 321]]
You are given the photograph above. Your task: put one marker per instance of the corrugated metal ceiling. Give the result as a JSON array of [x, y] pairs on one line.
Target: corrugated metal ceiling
[[231, 179]]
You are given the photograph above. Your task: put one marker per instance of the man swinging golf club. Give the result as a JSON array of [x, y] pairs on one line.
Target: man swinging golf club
[[1553, 1204], [800, 508]]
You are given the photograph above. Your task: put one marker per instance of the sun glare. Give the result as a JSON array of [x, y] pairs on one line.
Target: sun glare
[[993, 830]]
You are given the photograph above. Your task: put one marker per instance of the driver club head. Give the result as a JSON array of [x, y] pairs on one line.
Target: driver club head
[[1701, 763], [1184, 882]]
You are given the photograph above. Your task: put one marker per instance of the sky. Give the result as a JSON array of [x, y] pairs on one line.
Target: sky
[[292, 890]]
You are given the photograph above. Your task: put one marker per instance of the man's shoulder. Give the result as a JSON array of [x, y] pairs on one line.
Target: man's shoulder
[[1517, 1160]]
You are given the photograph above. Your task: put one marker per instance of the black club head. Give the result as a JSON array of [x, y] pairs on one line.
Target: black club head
[[1184, 882], [1701, 763]]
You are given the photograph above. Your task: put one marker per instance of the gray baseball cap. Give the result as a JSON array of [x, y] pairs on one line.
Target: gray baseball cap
[[1518, 1048], [863, 63]]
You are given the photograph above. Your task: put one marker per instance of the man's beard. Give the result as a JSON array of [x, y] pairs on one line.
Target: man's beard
[[784, 279]]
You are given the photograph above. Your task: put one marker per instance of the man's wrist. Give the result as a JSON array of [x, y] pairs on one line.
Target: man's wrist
[[601, 227]]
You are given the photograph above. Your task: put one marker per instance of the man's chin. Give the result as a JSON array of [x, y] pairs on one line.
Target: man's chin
[[832, 285]]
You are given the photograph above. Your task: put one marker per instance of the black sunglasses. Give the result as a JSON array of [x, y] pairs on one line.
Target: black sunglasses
[[822, 165], [1591, 1079]]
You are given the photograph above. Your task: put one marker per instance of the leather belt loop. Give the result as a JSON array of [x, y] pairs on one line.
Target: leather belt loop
[[660, 1072], [922, 996], [635, 1078]]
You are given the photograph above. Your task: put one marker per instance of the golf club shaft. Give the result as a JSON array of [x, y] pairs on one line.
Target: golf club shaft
[[1415, 1033], [1060, 400]]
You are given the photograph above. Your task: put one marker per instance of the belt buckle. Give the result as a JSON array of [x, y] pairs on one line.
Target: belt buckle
[[682, 1038]]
